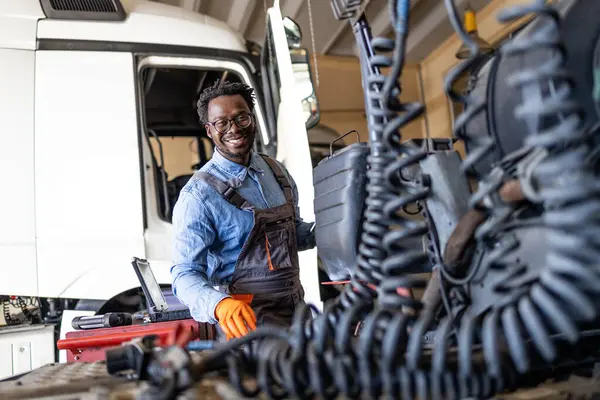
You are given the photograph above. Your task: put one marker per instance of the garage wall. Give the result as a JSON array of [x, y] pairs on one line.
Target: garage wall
[[341, 98], [340, 90], [435, 67]]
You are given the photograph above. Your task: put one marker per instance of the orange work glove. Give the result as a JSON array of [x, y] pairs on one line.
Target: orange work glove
[[235, 317]]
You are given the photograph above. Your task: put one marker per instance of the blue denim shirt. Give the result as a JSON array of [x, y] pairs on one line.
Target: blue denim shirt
[[209, 233]]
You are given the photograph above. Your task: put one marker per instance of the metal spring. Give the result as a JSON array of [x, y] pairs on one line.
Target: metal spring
[[480, 146], [394, 194]]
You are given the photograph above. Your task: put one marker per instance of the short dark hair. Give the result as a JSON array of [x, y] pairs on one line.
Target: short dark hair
[[224, 89]]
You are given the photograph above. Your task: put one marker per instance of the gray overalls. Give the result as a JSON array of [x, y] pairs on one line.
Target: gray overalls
[[266, 272]]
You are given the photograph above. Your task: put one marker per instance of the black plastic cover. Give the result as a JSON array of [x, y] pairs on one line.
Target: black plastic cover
[[90, 10], [340, 193]]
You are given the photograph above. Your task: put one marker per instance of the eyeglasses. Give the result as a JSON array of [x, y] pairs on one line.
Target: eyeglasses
[[223, 125]]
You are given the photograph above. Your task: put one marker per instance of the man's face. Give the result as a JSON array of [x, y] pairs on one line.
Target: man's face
[[225, 113]]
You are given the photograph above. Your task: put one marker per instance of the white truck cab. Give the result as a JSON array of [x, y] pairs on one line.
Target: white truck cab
[[97, 111]]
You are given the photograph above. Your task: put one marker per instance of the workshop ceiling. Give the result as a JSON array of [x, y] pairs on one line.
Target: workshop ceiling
[[429, 21]]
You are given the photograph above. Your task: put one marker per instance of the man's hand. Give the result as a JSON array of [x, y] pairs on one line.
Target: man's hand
[[235, 317]]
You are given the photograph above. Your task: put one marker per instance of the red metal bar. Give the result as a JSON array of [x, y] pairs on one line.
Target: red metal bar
[[91, 345], [165, 335]]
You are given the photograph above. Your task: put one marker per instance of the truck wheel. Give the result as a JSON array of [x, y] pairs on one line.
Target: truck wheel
[[129, 301]]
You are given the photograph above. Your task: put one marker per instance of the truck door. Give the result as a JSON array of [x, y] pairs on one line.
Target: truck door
[[284, 87], [88, 200], [17, 229]]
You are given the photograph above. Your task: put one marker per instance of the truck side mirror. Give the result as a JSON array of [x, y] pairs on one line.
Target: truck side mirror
[[302, 72], [304, 85], [293, 33]]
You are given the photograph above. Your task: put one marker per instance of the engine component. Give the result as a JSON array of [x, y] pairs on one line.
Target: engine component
[[448, 200], [133, 357], [529, 284], [167, 370]]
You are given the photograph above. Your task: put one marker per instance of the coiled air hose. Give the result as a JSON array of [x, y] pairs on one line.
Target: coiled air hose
[[539, 310], [556, 297]]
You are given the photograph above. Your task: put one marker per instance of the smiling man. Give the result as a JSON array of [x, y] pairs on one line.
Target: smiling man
[[237, 225]]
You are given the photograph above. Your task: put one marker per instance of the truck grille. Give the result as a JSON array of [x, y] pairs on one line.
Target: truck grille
[[84, 10], [103, 6]]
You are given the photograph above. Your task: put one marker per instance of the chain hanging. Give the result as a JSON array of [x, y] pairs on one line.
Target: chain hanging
[[312, 38]]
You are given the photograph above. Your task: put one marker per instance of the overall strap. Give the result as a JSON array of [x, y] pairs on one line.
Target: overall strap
[[281, 179], [229, 193]]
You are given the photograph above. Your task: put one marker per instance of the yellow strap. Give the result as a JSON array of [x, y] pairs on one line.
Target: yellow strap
[[470, 21]]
